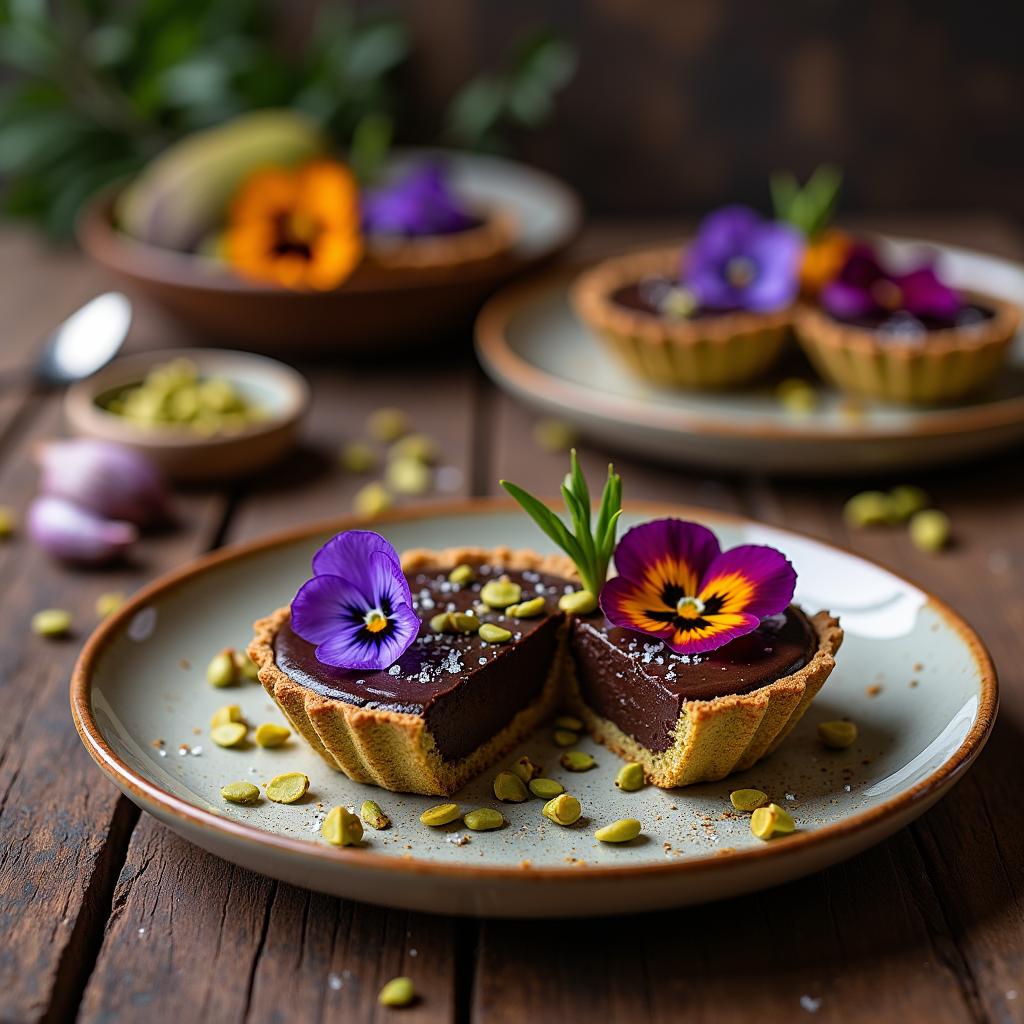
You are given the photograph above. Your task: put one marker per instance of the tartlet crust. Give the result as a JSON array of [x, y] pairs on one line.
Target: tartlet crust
[[944, 365], [711, 352], [442, 256], [395, 750]]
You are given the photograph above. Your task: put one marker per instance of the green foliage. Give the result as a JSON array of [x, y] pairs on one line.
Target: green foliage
[[590, 547], [809, 208], [520, 96], [104, 85]]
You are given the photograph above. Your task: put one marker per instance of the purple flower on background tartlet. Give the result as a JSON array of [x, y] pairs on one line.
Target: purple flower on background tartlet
[[676, 584], [357, 608], [739, 260], [865, 288], [418, 202]]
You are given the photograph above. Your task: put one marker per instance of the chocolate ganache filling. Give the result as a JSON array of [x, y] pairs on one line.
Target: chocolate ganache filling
[[641, 685], [468, 691]]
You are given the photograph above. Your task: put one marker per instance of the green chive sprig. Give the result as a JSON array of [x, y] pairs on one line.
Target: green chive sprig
[[809, 207], [589, 546]]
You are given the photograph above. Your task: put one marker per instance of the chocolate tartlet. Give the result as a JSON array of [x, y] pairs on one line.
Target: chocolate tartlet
[[706, 349], [489, 238], [882, 359], [452, 703]]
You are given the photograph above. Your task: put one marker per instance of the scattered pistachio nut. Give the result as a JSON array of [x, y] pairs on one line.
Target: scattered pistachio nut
[[546, 789], [371, 499], [768, 821], [240, 793], [576, 761], [483, 819], [509, 788], [226, 714], [930, 530], [270, 734], [454, 622], [357, 457], [565, 738], [441, 814], [526, 609], [247, 668], [797, 396], [387, 424], [624, 830], [397, 992], [630, 777], [287, 788], [462, 575], [748, 799], [229, 734], [563, 809], [869, 508], [837, 735], [7, 521], [907, 499], [372, 814], [579, 602], [501, 593], [341, 827], [51, 622], [526, 769], [222, 670], [415, 446], [570, 722], [107, 604], [408, 476], [493, 634]]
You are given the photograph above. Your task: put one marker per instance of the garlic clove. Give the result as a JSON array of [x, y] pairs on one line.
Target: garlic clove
[[74, 534], [110, 480]]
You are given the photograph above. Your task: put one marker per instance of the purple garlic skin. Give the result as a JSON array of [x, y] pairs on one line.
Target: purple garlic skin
[[74, 534], [107, 479]]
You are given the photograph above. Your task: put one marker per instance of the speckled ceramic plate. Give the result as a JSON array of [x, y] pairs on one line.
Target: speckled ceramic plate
[[531, 342], [912, 675]]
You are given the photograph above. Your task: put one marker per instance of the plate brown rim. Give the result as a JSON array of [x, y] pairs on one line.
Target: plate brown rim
[[151, 794], [505, 365]]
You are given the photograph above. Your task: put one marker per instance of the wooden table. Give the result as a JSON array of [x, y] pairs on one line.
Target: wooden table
[[107, 915]]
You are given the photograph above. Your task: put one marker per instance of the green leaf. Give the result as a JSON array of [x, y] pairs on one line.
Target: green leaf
[[546, 520], [370, 144]]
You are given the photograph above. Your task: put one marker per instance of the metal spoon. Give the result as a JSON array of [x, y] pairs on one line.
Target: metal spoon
[[84, 343]]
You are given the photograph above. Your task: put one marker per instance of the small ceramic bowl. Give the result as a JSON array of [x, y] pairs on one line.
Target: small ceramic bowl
[[182, 454]]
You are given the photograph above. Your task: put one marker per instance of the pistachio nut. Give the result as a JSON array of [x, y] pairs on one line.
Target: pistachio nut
[[509, 788], [462, 574], [51, 622], [483, 819], [526, 609], [564, 738], [492, 634], [341, 827], [837, 735], [500, 593], [576, 761], [287, 788], [748, 799], [229, 734], [930, 530], [768, 821], [240, 793], [630, 777], [546, 789], [563, 809], [526, 769], [622, 831], [222, 670], [372, 814], [570, 722], [397, 992], [228, 713], [579, 602], [269, 734], [441, 814]]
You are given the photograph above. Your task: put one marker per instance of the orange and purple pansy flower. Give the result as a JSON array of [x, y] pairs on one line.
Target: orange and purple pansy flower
[[675, 583], [357, 608]]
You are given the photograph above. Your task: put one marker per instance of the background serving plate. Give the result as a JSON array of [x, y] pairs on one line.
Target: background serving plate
[[911, 673], [364, 316], [532, 344]]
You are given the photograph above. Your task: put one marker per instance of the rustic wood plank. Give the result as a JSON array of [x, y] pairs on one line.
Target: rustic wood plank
[[60, 842], [246, 948], [313, 485]]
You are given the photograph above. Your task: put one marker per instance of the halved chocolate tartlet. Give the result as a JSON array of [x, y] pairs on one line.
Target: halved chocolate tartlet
[[452, 703]]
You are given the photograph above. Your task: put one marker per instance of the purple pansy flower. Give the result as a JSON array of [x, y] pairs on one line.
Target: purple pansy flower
[[357, 608], [676, 584], [418, 202], [739, 260], [866, 288]]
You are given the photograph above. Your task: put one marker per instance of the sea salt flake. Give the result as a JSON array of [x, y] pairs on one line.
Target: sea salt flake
[[810, 1004], [334, 982]]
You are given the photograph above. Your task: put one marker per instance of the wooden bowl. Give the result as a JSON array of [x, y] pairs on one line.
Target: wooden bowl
[[371, 314], [183, 455]]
